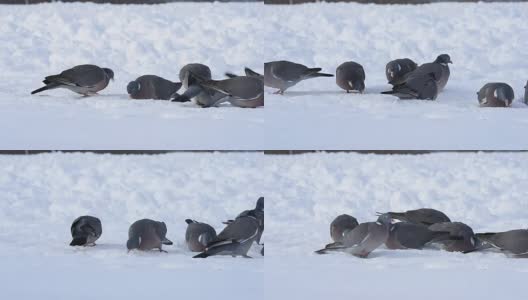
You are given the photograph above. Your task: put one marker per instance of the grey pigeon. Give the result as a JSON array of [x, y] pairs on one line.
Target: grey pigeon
[[350, 76], [526, 93], [240, 91], [514, 242], [147, 234], [418, 83], [397, 69], [86, 80], [198, 235], [85, 230], [363, 239], [461, 238], [405, 235], [495, 94], [285, 74], [417, 86], [423, 216], [340, 225], [235, 240], [258, 212], [152, 87]]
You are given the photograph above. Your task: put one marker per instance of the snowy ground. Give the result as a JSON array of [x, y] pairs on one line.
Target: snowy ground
[[487, 42], [133, 40], [43, 194], [486, 191]]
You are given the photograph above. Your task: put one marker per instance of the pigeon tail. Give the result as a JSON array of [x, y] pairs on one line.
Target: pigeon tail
[[201, 255], [49, 86], [230, 75]]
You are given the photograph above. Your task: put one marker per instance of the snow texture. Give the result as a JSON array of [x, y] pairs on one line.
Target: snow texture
[[43, 194], [133, 40], [487, 42]]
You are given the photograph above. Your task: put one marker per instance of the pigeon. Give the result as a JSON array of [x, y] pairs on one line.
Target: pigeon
[[418, 83], [258, 212], [423, 216], [147, 234], [240, 91], [363, 239], [513, 242], [85, 230], [198, 235], [152, 87], [285, 74], [86, 80], [350, 76], [461, 238], [397, 69], [495, 94], [235, 240], [405, 235]]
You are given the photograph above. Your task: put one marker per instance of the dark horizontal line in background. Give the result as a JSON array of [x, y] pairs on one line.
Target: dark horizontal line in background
[[265, 152], [382, 1]]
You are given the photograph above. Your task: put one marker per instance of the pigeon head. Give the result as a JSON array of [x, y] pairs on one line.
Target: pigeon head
[[133, 243], [109, 73], [481, 97], [443, 59], [502, 95], [260, 204], [161, 230], [385, 219], [133, 87], [359, 85]]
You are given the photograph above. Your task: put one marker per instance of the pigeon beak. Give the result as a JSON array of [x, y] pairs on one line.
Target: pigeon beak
[[166, 241], [449, 62]]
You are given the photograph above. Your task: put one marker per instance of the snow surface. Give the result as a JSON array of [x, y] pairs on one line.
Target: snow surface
[[133, 40], [42, 194], [487, 42], [486, 191]]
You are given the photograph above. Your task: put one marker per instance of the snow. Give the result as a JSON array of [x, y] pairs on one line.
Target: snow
[[487, 42], [487, 191], [133, 40], [42, 194]]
